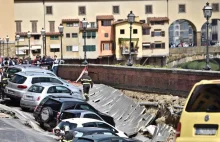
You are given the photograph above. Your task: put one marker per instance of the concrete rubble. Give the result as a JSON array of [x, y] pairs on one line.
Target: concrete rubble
[[149, 118]]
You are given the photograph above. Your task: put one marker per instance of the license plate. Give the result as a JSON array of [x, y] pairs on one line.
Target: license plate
[[205, 131], [29, 97]]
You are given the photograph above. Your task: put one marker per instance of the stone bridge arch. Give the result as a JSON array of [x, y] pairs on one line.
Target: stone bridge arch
[[182, 32]]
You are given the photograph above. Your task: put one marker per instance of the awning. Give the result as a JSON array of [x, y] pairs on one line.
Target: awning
[[35, 47], [54, 46], [20, 52], [23, 48], [146, 44]]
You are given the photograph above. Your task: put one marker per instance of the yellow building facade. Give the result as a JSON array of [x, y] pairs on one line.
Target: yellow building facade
[[21, 16]]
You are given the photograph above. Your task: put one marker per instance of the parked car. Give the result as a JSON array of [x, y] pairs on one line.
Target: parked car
[[47, 113], [26, 68], [199, 121], [38, 91], [88, 122], [103, 138], [83, 131], [73, 113], [21, 81]]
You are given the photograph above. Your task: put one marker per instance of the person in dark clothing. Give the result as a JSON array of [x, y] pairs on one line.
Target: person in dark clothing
[[37, 61], [87, 83], [3, 82]]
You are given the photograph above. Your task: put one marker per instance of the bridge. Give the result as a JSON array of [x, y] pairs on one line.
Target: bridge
[[182, 54]]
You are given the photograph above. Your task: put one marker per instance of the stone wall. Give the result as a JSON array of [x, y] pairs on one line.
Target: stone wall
[[174, 81]]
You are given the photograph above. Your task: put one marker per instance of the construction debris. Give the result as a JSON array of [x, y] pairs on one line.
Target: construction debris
[[147, 117]]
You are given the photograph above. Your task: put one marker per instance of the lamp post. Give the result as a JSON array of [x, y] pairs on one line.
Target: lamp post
[[7, 40], [131, 18], [43, 33], [60, 27], [29, 36], [17, 37], [84, 25], [207, 11]]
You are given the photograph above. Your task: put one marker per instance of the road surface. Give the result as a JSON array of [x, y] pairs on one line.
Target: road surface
[[12, 130]]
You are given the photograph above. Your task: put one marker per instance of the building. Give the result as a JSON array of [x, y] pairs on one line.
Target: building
[[33, 15]]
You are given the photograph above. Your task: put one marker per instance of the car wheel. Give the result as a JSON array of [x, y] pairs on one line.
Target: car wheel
[[46, 114]]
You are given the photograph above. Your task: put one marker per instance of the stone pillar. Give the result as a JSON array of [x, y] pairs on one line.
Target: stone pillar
[[198, 38]]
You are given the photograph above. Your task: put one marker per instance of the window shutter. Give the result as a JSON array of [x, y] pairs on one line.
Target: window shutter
[[152, 34], [152, 45], [163, 45], [163, 33]]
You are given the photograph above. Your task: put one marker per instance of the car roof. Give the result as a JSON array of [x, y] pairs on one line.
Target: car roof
[[90, 129], [47, 84], [81, 120], [34, 74], [24, 66], [66, 98], [99, 136], [77, 111]]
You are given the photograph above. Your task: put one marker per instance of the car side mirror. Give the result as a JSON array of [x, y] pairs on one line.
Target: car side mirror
[[71, 93]]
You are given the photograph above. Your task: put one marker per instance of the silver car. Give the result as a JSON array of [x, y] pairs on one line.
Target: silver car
[[21, 81], [26, 68], [37, 92]]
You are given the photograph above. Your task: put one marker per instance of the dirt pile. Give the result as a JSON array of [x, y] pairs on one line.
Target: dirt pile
[[166, 108]]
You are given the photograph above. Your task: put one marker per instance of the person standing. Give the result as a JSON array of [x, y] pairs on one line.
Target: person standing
[[55, 64], [87, 83], [3, 83]]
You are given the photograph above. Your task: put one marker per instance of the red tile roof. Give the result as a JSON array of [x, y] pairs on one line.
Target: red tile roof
[[124, 21], [52, 33], [157, 19], [21, 33], [146, 26], [69, 20], [104, 17]]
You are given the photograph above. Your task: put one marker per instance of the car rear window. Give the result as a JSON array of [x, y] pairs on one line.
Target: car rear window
[[205, 98], [18, 79], [67, 115], [13, 70], [62, 124], [36, 89]]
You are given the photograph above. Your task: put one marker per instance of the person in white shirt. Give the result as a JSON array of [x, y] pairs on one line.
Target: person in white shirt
[[55, 64]]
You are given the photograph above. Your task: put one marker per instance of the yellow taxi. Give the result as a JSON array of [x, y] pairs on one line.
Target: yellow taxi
[[200, 118]]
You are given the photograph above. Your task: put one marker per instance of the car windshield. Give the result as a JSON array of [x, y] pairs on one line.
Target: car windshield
[[205, 98], [36, 89], [12, 71], [18, 79]]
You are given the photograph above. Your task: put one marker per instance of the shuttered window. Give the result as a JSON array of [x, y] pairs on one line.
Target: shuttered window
[[89, 48], [34, 26], [18, 26], [52, 26]]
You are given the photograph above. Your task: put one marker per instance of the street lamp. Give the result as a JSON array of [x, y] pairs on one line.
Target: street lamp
[[17, 37], [84, 25], [207, 11], [43, 33], [7, 40], [131, 18], [60, 27], [29, 36]]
